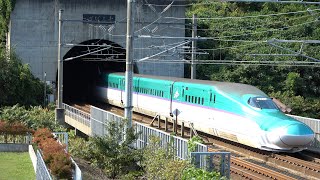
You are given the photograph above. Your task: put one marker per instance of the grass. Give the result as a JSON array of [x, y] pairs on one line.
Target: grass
[[16, 166]]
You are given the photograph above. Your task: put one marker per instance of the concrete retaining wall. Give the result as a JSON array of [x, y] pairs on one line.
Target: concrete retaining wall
[[14, 147], [33, 32], [33, 158]]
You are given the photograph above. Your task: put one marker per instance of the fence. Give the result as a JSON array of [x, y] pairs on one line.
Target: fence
[[100, 118], [77, 175], [16, 139], [180, 145], [42, 171], [62, 137], [212, 161], [314, 124], [77, 115]]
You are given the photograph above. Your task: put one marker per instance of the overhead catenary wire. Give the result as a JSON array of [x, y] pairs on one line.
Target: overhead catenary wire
[[243, 17], [222, 38], [209, 2]]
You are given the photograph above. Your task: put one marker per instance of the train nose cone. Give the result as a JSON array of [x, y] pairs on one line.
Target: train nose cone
[[297, 135]]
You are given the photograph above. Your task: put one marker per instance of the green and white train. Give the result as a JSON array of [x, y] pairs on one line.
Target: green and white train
[[237, 112]]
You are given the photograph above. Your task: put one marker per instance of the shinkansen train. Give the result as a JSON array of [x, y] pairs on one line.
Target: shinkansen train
[[233, 111]]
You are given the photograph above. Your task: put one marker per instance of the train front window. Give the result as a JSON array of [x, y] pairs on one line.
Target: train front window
[[262, 103]]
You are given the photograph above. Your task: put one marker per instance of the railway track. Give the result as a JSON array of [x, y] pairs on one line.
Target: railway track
[[305, 166], [241, 168]]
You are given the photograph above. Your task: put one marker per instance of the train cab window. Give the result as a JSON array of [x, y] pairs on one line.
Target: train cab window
[[262, 103], [202, 101]]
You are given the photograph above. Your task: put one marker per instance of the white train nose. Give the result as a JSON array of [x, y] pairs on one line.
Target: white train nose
[[294, 135], [297, 135]]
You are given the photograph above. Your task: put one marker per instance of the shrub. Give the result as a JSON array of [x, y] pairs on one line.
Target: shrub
[[41, 135], [113, 152], [192, 143], [33, 117], [159, 162], [61, 165], [196, 173], [54, 154], [14, 128], [79, 147]]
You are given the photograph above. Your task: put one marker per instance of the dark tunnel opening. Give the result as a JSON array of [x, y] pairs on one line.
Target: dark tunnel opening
[[83, 65]]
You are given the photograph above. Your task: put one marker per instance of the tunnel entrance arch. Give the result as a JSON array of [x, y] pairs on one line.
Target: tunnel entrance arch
[[83, 64]]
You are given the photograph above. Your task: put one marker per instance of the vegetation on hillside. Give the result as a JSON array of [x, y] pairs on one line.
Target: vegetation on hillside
[[113, 152], [6, 7], [34, 117], [17, 83], [237, 39]]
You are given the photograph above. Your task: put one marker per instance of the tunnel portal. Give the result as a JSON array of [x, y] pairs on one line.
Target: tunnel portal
[[84, 62]]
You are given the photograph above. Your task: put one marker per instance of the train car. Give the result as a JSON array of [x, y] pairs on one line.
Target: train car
[[234, 111]]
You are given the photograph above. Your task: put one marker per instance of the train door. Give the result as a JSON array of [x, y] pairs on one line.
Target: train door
[[174, 95]]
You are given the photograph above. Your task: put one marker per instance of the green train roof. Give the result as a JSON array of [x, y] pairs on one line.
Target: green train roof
[[236, 89]]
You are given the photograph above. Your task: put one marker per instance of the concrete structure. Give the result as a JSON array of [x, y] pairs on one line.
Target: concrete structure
[[33, 31], [14, 147]]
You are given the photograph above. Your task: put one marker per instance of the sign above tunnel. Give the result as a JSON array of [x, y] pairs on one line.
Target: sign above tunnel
[[99, 18]]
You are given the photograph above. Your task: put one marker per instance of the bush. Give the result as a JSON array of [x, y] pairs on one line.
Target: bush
[[196, 173], [61, 165], [18, 84], [79, 147], [33, 117], [41, 135], [14, 128], [159, 163], [54, 154], [10, 131], [113, 152]]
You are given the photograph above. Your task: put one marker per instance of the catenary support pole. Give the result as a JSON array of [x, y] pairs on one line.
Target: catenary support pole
[[45, 89], [194, 47], [129, 62], [59, 110]]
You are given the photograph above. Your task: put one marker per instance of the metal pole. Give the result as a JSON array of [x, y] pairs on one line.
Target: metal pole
[[129, 62], [60, 64], [59, 110], [45, 90], [194, 46]]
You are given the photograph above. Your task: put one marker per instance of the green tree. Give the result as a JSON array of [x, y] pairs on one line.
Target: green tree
[[33, 117], [17, 83], [113, 152], [6, 6], [159, 163], [237, 39]]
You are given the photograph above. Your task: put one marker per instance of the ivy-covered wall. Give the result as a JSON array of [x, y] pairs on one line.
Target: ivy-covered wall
[[6, 7]]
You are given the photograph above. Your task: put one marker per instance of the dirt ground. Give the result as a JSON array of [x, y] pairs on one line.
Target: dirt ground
[[89, 172]]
